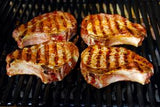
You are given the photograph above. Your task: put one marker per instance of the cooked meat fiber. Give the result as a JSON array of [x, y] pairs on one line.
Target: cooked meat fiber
[[56, 25], [109, 30], [101, 66], [50, 61]]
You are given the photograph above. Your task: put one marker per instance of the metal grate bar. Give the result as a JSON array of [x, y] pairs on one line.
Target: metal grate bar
[[108, 94], [24, 11], [4, 8], [27, 91], [56, 94], [150, 87], [139, 88], [7, 91], [36, 93], [156, 7], [149, 38], [120, 4], [153, 23], [46, 94], [74, 91], [17, 89], [151, 95]]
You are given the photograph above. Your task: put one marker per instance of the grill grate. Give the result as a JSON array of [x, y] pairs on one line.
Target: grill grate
[[73, 91]]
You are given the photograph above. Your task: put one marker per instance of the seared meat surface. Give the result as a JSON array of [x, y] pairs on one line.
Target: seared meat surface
[[109, 30], [56, 25], [101, 66], [50, 61]]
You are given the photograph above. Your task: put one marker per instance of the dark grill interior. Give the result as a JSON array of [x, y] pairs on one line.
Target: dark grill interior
[[73, 90]]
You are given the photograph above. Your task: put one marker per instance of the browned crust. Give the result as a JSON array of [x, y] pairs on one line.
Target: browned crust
[[45, 26], [26, 53], [59, 67], [113, 26], [132, 62]]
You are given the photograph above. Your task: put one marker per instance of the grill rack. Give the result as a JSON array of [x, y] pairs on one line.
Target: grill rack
[[24, 90]]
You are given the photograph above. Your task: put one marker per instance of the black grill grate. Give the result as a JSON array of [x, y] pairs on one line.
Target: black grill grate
[[73, 91]]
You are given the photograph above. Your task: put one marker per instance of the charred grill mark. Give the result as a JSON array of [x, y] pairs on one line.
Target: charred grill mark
[[38, 56], [33, 22], [117, 58], [56, 23], [64, 21], [93, 24], [98, 57], [28, 57], [126, 27], [56, 54], [49, 20], [107, 59], [138, 66], [130, 31], [133, 56], [90, 55], [41, 26], [101, 26], [64, 54], [126, 59], [116, 24], [84, 27], [19, 54], [25, 31], [109, 25], [46, 54]]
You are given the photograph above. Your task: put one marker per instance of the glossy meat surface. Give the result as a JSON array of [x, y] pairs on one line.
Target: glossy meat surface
[[101, 66], [109, 30], [56, 25], [50, 61]]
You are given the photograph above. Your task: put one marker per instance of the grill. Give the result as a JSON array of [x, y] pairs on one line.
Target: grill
[[24, 90]]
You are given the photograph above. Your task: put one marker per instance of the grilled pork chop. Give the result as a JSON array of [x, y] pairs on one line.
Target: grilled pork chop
[[50, 61], [57, 25], [101, 66], [109, 30]]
